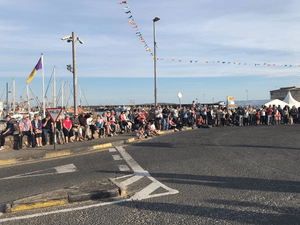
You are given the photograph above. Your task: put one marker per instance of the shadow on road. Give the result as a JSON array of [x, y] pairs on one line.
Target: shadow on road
[[153, 144], [271, 215], [241, 183], [251, 146]]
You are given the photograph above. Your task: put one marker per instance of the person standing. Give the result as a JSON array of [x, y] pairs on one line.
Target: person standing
[[37, 127], [158, 117], [166, 116], [10, 129], [25, 128]]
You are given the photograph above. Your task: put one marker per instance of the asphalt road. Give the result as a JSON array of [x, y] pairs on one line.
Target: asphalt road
[[239, 175], [26, 180]]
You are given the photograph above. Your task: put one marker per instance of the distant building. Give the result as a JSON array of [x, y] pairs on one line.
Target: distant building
[[282, 92]]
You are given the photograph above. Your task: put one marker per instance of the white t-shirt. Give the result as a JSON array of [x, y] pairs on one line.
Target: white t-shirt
[[89, 121], [158, 113]]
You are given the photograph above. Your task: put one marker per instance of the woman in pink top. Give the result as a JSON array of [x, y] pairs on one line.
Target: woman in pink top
[[67, 124]]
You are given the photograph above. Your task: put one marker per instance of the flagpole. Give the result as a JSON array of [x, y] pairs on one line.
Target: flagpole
[[44, 113], [28, 101]]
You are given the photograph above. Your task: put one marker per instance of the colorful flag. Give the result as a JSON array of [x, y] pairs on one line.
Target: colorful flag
[[127, 7], [123, 2], [36, 68], [134, 27], [128, 12], [129, 17]]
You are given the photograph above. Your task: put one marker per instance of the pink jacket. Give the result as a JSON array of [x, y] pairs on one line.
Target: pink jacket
[[22, 125]]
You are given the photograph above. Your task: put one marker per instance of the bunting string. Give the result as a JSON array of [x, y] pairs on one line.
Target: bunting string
[[226, 63], [138, 34], [132, 22]]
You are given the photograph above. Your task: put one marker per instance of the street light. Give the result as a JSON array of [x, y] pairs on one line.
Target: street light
[[247, 95], [73, 39], [154, 57]]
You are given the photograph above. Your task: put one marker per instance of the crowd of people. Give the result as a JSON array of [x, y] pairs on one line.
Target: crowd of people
[[145, 122]]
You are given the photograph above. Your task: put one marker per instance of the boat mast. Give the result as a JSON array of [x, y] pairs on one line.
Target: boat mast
[[14, 96], [62, 93], [54, 88]]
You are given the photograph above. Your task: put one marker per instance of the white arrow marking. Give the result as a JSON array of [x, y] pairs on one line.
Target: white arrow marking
[[59, 170]]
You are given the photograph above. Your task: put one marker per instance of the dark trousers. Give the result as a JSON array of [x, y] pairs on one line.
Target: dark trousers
[[28, 133], [67, 133], [93, 129], [45, 132], [3, 136]]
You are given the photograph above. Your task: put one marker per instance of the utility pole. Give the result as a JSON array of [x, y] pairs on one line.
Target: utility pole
[[73, 39], [155, 59]]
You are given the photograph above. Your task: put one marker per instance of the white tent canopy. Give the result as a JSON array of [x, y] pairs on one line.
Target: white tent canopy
[[276, 102], [289, 100]]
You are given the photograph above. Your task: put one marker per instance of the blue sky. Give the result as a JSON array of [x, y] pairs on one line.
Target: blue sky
[[114, 68]]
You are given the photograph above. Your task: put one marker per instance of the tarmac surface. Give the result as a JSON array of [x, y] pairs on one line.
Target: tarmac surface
[[227, 175]]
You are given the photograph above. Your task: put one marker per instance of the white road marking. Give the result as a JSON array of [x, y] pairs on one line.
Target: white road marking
[[69, 168], [112, 150], [139, 173], [123, 168], [143, 194], [130, 161], [117, 157], [131, 180]]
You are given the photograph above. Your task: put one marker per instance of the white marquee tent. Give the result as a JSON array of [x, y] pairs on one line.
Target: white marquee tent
[[276, 102], [289, 100]]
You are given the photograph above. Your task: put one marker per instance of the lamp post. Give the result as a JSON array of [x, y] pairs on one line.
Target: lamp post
[[247, 95], [73, 39], [154, 57]]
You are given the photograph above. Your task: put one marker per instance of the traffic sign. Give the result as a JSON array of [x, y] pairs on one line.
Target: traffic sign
[[54, 113]]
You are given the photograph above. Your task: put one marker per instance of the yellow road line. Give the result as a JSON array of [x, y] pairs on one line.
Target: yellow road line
[[130, 140], [39, 205], [107, 145], [161, 132], [57, 154], [7, 162], [188, 128]]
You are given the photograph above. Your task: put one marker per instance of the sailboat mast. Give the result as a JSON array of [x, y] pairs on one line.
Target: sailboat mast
[[14, 96], [54, 88]]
